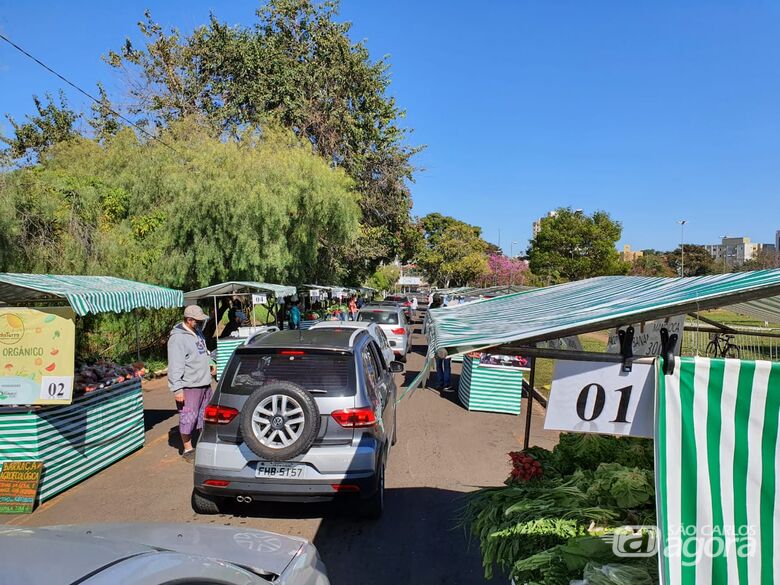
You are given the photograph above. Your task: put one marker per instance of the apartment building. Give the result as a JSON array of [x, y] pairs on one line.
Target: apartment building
[[629, 255], [734, 251]]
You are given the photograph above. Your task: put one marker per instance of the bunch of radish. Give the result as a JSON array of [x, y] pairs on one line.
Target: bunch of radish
[[525, 467]]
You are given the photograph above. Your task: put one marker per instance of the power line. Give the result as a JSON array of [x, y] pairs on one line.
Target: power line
[[93, 98]]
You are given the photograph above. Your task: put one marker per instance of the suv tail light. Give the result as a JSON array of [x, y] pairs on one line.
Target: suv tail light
[[398, 331], [219, 415], [352, 418]]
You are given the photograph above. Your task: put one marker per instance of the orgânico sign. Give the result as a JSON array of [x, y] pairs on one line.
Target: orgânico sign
[[19, 486], [37, 349]]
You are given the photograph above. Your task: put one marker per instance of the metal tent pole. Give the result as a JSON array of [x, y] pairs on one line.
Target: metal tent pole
[[529, 405], [137, 337]]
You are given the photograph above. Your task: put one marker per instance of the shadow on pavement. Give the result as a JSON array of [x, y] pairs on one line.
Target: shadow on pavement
[[155, 416], [417, 540]]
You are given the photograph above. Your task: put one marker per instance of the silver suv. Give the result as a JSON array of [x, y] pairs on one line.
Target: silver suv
[[392, 320], [299, 416]]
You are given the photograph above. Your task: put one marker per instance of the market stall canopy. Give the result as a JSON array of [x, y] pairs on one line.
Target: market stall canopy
[[239, 286], [87, 294], [596, 304], [493, 291]]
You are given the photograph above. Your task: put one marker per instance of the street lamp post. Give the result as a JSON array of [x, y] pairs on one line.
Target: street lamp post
[[682, 223], [725, 251], [512, 264]]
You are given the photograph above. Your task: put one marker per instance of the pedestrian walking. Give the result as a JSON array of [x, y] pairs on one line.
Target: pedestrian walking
[[189, 375], [414, 308], [353, 309], [443, 364]]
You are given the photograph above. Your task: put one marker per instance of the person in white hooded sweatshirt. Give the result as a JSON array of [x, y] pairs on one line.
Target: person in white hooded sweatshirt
[[189, 374]]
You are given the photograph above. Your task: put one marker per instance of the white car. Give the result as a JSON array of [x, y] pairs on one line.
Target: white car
[[373, 329], [392, 321]]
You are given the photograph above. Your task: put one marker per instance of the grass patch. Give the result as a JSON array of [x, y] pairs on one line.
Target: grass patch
[[544, 366], [730, 318]]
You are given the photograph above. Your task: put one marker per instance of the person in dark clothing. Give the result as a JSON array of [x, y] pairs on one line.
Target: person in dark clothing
[[443, 364], [210, 328], [235, 319]]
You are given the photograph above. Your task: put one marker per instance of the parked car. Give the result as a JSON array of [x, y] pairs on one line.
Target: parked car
[[392, 320], [299, 416], [156, 554], [373, 329], [402, 301]]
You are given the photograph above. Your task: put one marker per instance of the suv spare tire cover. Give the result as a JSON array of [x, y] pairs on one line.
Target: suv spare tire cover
[[279, 421]]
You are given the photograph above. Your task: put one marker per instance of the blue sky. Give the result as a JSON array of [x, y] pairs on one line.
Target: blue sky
[[653, 111]]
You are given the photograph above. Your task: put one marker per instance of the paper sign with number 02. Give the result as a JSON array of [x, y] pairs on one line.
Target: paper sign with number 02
[[56, 388], [598, 397]]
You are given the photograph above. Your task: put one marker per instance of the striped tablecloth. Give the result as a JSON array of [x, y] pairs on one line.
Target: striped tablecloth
[[77, 440], [225, 349], [490, 389]]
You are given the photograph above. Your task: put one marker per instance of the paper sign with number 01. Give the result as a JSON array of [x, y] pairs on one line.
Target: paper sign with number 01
[[598, 397]]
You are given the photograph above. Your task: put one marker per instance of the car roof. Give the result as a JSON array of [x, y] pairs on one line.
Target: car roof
[[389, 307], [315, 338], [73, 552], [342, 325], [69, 557]]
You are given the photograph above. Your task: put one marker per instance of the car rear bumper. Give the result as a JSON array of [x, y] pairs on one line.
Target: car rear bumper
[[275, 490], [326, 466], [399, 345]]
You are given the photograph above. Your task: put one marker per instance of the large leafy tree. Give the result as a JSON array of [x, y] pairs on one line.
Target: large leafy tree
[[453, 253], [262, 207], [571, 245], [697, 261], [504, 270], [651, 264], [298, 68], [52, 123], [766, 258]]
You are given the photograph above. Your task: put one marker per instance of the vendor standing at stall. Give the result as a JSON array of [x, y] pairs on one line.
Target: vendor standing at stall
[[189, 375], [294, 318]]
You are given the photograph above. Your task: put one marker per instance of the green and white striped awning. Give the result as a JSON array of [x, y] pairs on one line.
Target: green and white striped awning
[[239, 286], [593, 305], [87, 294]]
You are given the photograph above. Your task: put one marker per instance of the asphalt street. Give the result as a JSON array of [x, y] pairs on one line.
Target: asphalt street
[[443, 452]]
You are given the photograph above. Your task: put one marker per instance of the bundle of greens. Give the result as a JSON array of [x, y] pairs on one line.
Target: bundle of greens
[[545, 529]]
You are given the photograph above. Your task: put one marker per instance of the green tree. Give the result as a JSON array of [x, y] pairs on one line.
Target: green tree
[[53, 124], [454, 253], [571, 245], [295, 67], [698, 261], [766, 258], [651, 264], [261, 207], [384, 278], [104, 121]]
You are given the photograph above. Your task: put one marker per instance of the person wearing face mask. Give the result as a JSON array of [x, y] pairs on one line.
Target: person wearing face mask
[[189, 375]]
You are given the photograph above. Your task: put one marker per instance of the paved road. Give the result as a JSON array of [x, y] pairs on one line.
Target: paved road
[[443, 452]]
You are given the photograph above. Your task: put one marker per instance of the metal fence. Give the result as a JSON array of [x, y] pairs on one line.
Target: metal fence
[[751, 345]]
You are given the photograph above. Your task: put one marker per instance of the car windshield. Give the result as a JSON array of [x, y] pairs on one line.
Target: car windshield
[[378, 316], [320, 373]]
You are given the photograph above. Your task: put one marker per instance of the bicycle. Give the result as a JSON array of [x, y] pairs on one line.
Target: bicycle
[[722, 346]]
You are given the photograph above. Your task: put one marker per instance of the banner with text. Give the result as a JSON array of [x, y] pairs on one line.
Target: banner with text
[[647, 336], [37, 353]]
